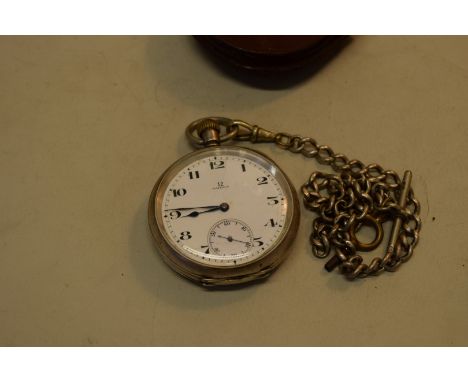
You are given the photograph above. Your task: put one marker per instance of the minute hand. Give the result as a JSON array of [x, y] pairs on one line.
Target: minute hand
[[189, 208], [223, 207]]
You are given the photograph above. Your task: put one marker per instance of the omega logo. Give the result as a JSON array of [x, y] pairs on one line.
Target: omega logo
[[220, 186]]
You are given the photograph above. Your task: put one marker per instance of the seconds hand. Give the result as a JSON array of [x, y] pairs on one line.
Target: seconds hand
[[230, 239]]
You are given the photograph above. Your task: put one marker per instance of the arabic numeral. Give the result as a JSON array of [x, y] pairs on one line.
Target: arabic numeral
[[271, 223], [174, 214], [194, 174], [216, 164], [262, 180], [258, 241], [272, 200], [185, 235], [179, 192]]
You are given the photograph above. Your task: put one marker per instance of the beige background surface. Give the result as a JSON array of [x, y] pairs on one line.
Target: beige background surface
[[88, 124]]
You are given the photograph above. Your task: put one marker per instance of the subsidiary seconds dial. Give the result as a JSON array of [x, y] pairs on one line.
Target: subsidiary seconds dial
[[230, 238]]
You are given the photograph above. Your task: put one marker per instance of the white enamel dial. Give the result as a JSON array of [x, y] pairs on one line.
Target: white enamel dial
[[223, 210]]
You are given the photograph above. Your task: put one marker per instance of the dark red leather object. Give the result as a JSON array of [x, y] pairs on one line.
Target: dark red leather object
[[273, 53]]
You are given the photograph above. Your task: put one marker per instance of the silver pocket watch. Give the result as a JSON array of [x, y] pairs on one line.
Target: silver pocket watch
[[225, 215]]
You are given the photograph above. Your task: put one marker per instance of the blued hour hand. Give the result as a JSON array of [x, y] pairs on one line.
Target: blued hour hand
[[194, 214]]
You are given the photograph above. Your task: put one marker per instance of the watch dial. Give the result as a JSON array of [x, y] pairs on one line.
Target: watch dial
[[224, 210]]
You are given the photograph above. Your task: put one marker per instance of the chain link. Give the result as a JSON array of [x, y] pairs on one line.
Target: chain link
[[356, 195]]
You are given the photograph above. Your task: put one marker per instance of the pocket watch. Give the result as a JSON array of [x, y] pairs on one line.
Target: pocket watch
[[225, 215]]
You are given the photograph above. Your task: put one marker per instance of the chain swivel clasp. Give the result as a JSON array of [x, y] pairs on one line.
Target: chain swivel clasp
[[253, 133]]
